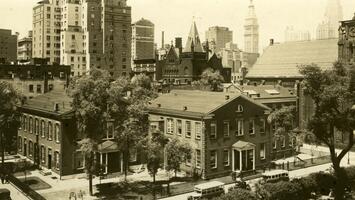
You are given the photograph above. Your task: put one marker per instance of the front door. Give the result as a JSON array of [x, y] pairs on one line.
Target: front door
[[49, 159]]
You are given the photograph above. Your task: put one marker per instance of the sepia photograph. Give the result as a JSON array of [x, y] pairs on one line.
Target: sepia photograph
[[177, 100]]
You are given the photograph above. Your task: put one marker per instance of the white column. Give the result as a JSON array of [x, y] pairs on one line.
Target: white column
[[254, 158], [240, 161], [106, 163], [233, 167], [121, 162], [100, 158]]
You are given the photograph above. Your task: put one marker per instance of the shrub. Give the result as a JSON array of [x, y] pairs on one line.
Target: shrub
[[283, 190], [238, 194], [324, 181]]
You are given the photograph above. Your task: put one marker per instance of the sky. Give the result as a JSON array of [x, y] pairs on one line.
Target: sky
[[174, 17]]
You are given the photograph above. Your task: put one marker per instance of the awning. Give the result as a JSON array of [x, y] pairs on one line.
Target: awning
[[108, 147], [241, 145]]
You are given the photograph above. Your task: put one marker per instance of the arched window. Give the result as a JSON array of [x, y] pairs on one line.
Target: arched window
[[36, 126], [239, 108], [31, 125], [57, 132], [25, 123], [50, 131], [43, 129]]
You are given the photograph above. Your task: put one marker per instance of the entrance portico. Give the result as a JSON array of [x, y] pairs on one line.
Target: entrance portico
[[109, 157], [243, 156]]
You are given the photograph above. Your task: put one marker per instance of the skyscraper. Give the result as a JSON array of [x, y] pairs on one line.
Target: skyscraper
[[251, 31], [330, 24], [24, 48], [107, 35], [8, 46], [46, 30], [292, 35], [220, 36], [143, 40]]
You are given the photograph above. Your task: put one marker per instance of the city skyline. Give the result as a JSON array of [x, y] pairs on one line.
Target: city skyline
[[174, 17]]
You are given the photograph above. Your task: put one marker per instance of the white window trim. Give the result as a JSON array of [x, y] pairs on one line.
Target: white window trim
[[224, 123], [170, 130], [228, 157], [274, 144], [186, 123], [177, 127], [241, 133], [198, 130], [253, 133], [213, 126], [216, 159], [283, 145], [57, 132], [240, 108], [263, 157], [263, 124], [198, 166]]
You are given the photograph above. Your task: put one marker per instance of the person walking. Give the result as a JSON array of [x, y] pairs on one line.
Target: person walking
[[2, 178]]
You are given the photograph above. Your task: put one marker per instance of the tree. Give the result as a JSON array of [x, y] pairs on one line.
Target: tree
[[238, 194], [9, 116], [211, 78], [333, 93], [90, 106], [283, 190], [177, 153]]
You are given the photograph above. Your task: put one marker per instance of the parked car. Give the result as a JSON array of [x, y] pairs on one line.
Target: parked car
[[275, 176], [207, 190]]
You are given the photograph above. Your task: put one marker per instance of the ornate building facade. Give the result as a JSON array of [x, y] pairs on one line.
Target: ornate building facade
[[329, 27], [251, 31]]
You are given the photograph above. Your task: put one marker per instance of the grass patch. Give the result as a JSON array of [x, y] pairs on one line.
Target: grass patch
[[35, 183]]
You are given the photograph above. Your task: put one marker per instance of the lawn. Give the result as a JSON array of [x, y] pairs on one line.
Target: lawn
[[35, 183]]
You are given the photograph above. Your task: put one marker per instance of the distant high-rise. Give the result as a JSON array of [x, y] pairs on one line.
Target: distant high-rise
[[46, 30], [193, 43], [8, 46], [333, 15], [251, 31], [292, 35], [24, 48], [143, 40], [220, 35]]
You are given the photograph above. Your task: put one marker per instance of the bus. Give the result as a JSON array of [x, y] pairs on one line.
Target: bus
[[207, 190], [275, 176]]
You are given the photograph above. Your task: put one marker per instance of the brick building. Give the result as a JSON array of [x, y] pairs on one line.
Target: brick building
[[8, 47], [227, 132], [35, 79]]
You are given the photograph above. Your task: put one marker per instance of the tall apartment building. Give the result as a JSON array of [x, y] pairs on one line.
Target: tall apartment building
[[251, 31], [46, 30], [24, 48], [8, 46], [107, 35], [292, 35], [333, 15], [143, 40], [72, 49], [220, 36]]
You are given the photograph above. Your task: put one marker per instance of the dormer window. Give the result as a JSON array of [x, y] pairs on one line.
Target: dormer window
[[239, 108]]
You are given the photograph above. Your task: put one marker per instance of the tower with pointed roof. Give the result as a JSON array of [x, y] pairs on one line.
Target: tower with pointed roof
[[329, 27], [193, 43], [251, 31]]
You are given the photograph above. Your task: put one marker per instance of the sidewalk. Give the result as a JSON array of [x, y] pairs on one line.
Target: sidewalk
[[15, 194]]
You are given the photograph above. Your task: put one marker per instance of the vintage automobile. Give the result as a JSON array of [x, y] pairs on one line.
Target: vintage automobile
[[275, 176], [207, 190]]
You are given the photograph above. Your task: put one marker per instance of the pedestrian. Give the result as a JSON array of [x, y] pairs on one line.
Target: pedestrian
[[6, 178]]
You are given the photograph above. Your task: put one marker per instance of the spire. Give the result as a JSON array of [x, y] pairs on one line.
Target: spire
[[333, 13], [251, 31], [251, 12], [193, 40]]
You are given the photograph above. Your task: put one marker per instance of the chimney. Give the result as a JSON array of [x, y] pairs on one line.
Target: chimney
[[185, 108], [227, 97], [56, 107], [162, 39], [271, 42]]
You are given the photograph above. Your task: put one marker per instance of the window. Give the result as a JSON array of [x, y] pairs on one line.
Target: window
[[262, 151], [240, 128], [239, 108], [213, 159], [226, 128], [31, 125], [39, 88], [283, 143], [198, 130], [198, 158], [179, 127], [56, 158], [170, 126], [293, 142], [274, 146], [30, 88], [25, 123], [213, 130], [43, 129], [110, 130], [50, 131], [43, 154], [79, 160], [133, 155], [251, 127], [188, 129], [30, 150], [36, 129], [262, 126], [19, 144], [57, 132], [72, 59], [226, 157]]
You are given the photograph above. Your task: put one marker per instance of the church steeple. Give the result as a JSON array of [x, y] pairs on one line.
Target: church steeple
[[251, 31], [193, 43], [329, 27]]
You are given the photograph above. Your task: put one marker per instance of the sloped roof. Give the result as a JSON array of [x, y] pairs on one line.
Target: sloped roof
[[108, 147], [193, 40], [196, 101], [241, 145], [46, 102], [282, 60]]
